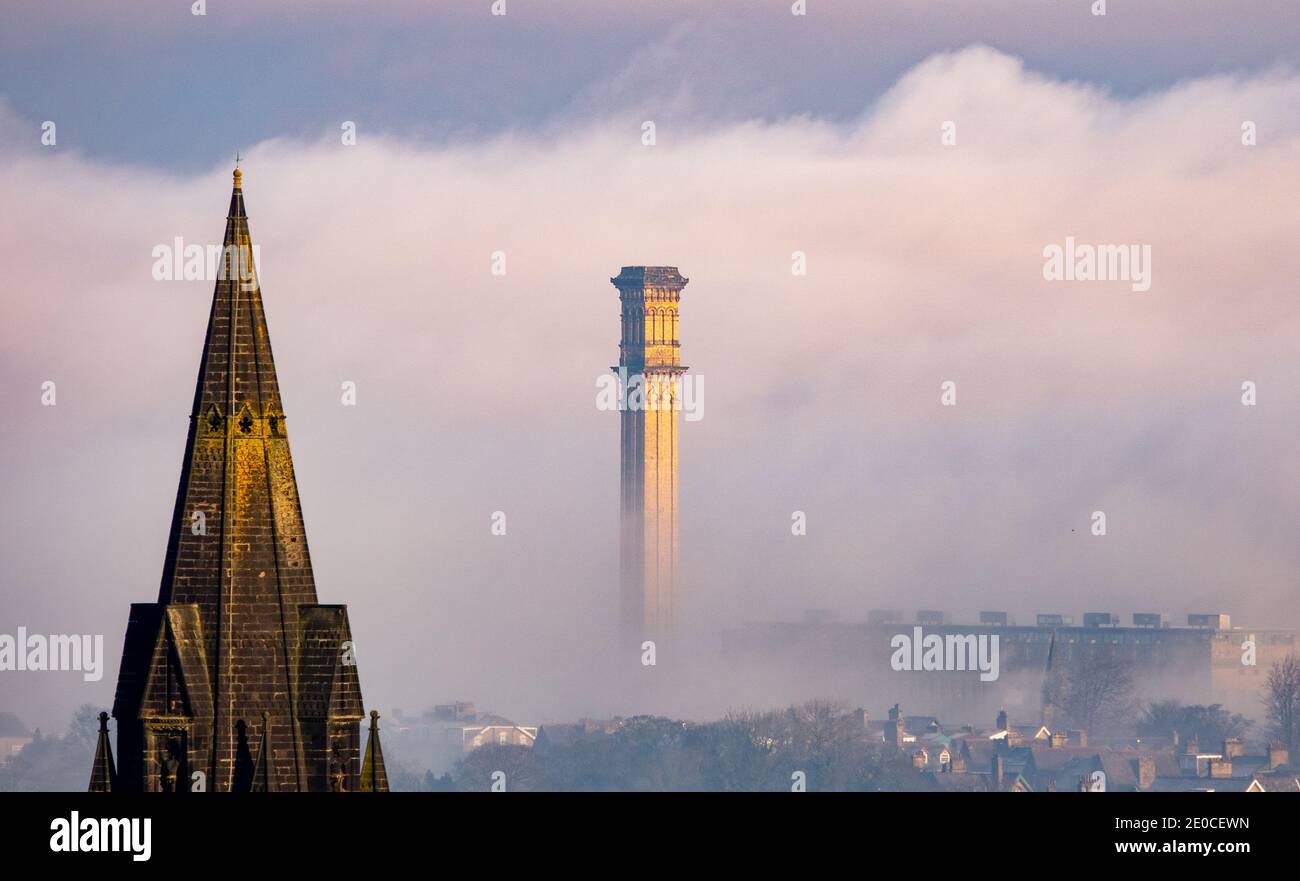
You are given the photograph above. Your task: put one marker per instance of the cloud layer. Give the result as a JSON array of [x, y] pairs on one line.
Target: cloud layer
[[476, 393]]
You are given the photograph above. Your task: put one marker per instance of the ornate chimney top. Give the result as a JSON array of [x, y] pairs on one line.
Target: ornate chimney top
[[650, 276]]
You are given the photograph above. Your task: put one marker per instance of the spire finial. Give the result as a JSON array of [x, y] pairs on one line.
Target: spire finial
[[239, 175]]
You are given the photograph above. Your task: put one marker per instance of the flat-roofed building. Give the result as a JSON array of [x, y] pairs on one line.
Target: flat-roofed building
[[852, 661]]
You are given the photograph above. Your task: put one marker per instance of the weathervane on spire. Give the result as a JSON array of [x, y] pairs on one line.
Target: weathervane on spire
[[239, 175]]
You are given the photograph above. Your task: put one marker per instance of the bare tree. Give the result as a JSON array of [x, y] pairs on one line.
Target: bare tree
[[507, 765], [1092, 690], [1282, 701]]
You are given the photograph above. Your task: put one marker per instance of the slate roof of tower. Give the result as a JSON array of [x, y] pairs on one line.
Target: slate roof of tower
[[237, 632]]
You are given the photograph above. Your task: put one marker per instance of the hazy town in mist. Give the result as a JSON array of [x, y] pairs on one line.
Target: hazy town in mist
[[903, 421]]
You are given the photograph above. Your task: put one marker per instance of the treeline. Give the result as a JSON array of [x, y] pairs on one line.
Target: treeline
[[53, 763], [818, 745]]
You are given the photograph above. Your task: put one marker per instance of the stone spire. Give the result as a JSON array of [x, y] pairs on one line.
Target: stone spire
[[237, 651], [103, 776], [374, 778]]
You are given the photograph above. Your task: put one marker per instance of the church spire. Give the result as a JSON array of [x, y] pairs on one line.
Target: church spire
[[237, 632], [103, 776], [374, 777]]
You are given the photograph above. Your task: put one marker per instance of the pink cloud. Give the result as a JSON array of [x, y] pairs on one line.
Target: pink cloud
[[476, 392]]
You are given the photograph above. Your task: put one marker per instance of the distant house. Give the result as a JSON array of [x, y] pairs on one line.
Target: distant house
[[440, 737], [1230, 769], [1270, 782], [13, 737], [1033, 758], [1075, 769], [932, 757], [501, 734]]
